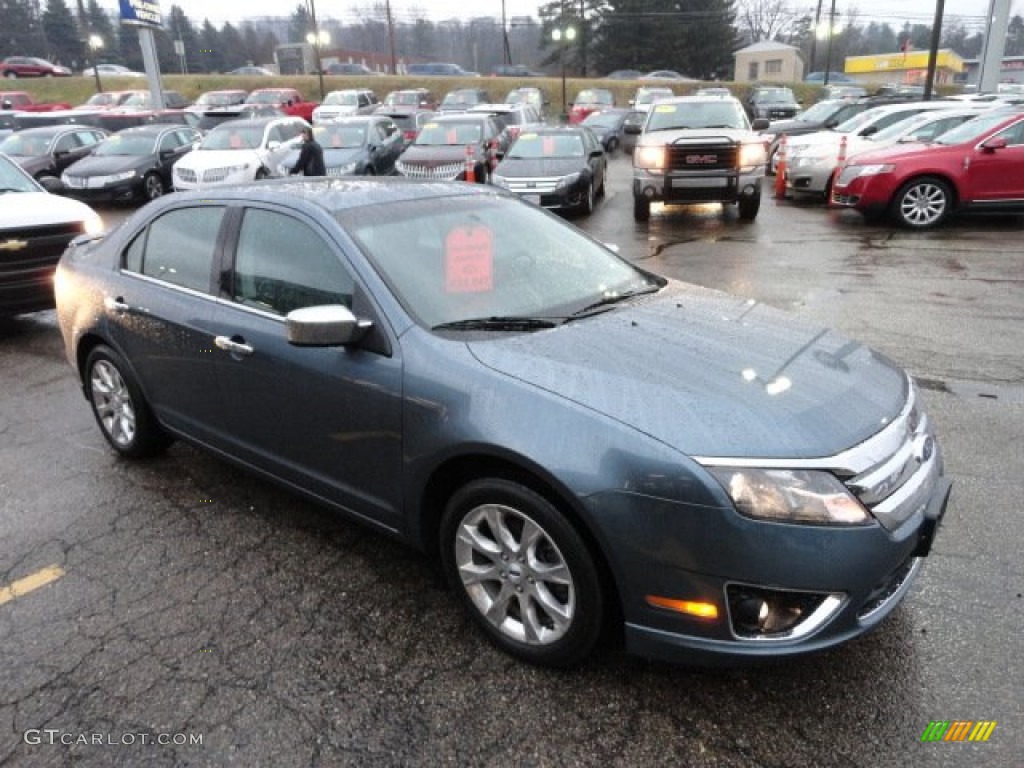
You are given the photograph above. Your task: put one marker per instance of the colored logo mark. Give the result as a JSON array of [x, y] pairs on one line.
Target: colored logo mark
[[958, 730]]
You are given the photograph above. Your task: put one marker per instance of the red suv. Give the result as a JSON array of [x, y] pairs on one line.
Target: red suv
[[978, 166], [29, 66]]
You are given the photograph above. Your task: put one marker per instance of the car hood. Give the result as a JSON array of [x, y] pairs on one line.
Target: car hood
[[33, 209], [779, 127], [434, 155], [657, 138], [718, 387], [905, 151], [540, 167], [107, 165], [201, 159]]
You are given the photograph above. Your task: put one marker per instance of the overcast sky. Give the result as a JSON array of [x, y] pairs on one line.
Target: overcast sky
[[896, 12]]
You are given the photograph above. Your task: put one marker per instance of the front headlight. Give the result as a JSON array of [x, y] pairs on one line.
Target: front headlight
[[875, 170], [347, 170], [116, 177], [499, 181], [791, 496], [753, 154], [93, 225], [651, 158], [567, 181]]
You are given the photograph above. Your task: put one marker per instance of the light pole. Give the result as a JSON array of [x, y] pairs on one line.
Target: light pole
[[317, 39], [95, 43], [562, 37]]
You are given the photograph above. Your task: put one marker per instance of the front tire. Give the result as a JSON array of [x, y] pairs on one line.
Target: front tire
[[749, 206], [523, 572], [152, 187], [261, 173], [587, 204], [641, 209], [121, 412], [922, 203]]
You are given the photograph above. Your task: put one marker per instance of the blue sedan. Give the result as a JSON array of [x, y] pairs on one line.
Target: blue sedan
[[574, 438]]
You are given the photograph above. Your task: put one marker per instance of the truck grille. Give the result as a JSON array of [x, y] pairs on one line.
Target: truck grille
[[186, 174], [702, 157]]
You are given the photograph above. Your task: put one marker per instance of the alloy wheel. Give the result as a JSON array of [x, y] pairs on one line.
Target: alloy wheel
[[113, 402]]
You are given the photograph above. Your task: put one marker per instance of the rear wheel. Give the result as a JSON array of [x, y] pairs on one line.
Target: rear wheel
[[522, 571], [641, 209], [11, 75], [613, 144], [122, 413], [922, 203], [261, 173]]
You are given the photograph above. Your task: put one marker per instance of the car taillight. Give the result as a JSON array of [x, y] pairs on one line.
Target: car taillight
[[410, 135]]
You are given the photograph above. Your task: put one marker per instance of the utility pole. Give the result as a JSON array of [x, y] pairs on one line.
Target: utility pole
[[828, 51], [933, 54], [391, 38], [504, 34], [814, 37]]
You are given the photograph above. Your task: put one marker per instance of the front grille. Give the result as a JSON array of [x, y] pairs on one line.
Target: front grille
[[845, 200], [42, 248], [186, 174], [702, 157], [336, 171], [446, 172], [533, 186], [776, 114], [215, 175]]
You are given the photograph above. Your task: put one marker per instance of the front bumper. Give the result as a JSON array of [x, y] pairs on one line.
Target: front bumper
[[867, 194], [546, 193], [808, 177], [697, 187], [211, 178], [118, 192]]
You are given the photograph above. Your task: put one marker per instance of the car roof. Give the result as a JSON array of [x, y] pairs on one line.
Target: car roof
[[256, 122], [335, 194], [462, 117], [694, 99], [154, 128], [51, 130]]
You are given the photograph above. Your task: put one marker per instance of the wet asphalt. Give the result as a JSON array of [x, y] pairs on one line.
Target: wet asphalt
[[194, 601]]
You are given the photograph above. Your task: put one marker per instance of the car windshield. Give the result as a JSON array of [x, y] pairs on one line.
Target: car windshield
[[461, 97], [216, 100], [13, 179], [340, 136], [595, 97], [774, 94], [522, 97], [668, 117], [138, 100], [972, 130], [818, 113], [266, 97], [603, 119], [449, 260], [903, 127], [233, 137], [101, 100], [649, 96], [121, 144], [448, 134], [407, 97], [538, 145], [20, 145], [339, 98], [858, 121]]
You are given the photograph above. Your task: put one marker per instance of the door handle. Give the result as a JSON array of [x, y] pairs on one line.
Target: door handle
[[232, 346], [116, 305]]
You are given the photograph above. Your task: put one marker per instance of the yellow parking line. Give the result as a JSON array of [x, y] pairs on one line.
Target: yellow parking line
[[30, 583]]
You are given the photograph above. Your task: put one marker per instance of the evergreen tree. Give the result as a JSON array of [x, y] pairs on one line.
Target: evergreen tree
[[179, 27], [211, 48], [63, 41], [251, 44], [232, 47], [301, 24], [21, 33]]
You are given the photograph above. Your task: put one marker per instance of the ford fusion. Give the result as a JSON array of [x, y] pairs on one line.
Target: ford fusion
[[586, 447]]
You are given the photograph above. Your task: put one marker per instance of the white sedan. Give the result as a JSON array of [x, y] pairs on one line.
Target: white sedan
[[111, 70]]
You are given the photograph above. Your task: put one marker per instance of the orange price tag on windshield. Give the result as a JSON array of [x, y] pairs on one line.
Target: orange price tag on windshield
[[469, 260]]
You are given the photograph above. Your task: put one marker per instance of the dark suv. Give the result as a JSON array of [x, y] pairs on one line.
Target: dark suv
[[771, 102]]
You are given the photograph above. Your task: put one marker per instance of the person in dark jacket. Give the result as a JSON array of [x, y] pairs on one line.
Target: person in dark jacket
[[311, 157]]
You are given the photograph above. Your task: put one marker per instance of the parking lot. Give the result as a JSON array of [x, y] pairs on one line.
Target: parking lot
[[187, 599]]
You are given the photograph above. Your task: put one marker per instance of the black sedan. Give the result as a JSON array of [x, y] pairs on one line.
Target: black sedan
[[560, 167], [134, 164], [45, 152], [582, 444], [361, 145], [607, 126]]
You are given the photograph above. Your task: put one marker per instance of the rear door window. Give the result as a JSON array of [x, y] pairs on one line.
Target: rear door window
[[178, 247]]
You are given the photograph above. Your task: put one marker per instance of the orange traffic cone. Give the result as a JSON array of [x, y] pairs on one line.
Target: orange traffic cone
[[780, 169], [840, 162], [470, 165], [842, 152]]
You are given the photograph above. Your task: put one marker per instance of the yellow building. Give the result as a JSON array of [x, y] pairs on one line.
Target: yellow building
[[905, 68]]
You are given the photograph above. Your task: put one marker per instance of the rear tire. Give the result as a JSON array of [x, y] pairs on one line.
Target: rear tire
[[641, 209], [11, 75], [121, 411]]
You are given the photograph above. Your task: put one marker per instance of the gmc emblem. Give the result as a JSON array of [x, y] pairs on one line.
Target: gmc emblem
[[701, 159]]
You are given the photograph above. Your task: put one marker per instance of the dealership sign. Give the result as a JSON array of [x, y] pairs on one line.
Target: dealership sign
[[144, 13]]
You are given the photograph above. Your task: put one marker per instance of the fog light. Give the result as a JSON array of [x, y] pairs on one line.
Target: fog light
[[749, 190], [648, 192], [768, 614]]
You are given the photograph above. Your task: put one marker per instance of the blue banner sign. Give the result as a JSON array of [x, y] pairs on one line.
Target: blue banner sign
[[145, 13]]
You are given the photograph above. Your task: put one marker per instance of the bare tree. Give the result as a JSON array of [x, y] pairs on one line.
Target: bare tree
[[759, 20]]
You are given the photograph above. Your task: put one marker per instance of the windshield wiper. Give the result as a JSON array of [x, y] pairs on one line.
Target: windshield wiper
[[10, 189], [497, 323], [605, 301]]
